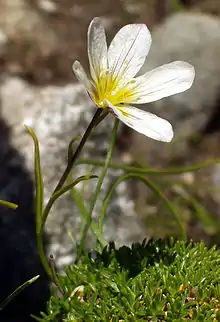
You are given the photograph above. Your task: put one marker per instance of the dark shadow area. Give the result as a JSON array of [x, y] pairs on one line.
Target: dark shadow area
[[19, 259], [137, 257], [213, 124]]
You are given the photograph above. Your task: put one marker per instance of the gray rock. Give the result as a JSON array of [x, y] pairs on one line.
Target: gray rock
[[3, 41], [31, 40], [21, 23], [57, 114], [47, 6]]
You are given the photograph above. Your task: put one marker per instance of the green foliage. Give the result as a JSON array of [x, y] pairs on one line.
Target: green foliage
[[155, 281]]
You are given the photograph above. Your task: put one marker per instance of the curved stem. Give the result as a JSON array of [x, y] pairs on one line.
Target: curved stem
[[44, 261], [104, 171], [97, 191], [140, 170]]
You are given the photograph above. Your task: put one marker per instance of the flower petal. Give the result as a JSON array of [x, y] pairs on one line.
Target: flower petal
[[127, 52], [161, 82], [97, 48], [144, 122], [81, 75]]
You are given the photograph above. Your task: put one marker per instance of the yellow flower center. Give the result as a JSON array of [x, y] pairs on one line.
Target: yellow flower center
[[108, 89]]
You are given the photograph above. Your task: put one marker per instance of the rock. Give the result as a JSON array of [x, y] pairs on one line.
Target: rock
[[57, 114], [31, 40], [195, 38], [47, 6], [22, 24], [3, 41], [208, 6]]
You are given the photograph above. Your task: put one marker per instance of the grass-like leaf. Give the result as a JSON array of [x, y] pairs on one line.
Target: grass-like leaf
[[39, 186], [140, 170], [70, 147], [39, 203], [8, 204], [60, 192], [17, 291], [79, 202]]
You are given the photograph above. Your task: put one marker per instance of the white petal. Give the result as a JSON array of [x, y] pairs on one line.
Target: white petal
[[144, 122], [97, 48], [127, 51], [81, 75], [161, 82]]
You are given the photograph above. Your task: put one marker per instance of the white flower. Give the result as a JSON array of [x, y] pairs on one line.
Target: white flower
[[114, 85]]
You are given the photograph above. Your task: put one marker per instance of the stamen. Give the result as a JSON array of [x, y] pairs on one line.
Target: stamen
[[104, 72]]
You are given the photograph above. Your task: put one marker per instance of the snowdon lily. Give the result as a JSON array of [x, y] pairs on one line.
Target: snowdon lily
[[113, 85]]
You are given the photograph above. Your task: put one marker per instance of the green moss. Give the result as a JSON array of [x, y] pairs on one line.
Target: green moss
[[154, 281]]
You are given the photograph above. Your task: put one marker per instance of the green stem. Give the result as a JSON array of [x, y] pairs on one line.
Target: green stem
[[44, 261], [97, 191], [95, 121], [85, 213], [141, 170], [54, 274], [103, 174]]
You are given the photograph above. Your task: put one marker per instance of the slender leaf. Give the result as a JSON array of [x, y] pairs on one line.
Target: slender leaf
[[205, 216], [8, 204], [39, 186], [59, 193], [17, 291], [79, 202], [140, 170], [39, 203], [70, 153]]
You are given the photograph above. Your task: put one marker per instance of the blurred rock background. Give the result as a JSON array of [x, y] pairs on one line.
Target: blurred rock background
[[39, 40]]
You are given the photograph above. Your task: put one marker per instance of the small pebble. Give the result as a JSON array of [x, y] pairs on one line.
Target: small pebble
[[47, 6]]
